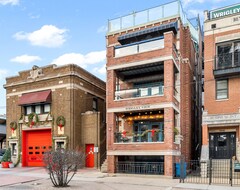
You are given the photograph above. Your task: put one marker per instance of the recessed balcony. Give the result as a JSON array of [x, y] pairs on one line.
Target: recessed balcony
[[139, 47], [139, 92], [227, 64]]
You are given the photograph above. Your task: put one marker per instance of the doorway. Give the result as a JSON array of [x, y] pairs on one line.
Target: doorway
[[222, 145], [89, 155]]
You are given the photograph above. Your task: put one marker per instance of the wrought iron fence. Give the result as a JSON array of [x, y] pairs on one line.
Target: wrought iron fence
[[213, 171], [155, 168]]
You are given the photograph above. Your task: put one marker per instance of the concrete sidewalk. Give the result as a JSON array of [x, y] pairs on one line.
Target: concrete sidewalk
[[91, 179]]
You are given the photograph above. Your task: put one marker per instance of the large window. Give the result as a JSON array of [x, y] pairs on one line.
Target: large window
[[38, 109], [228, 55], [222, 89]]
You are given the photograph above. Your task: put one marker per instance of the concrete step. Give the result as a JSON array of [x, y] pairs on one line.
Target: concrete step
[[104, 166]]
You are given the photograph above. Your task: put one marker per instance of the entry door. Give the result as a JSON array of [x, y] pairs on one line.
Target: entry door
[[89, 155], [222, 145]]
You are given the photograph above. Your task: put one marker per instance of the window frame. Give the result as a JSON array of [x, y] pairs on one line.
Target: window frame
[[217, 90]]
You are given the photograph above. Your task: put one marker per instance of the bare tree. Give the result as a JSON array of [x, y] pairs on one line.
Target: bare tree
[[62, 165]]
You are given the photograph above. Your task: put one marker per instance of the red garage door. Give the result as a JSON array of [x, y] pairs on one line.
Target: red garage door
[[35, 143]]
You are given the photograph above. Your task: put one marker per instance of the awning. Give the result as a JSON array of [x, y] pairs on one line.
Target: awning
[[173, 26], [35, 97]]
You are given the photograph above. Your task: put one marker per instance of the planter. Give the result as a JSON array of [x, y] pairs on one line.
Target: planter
[[5, 164], [11, 165]]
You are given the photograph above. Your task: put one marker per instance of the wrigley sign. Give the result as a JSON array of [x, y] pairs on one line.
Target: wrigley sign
[[225, 11]]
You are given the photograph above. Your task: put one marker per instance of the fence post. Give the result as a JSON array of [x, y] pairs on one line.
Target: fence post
[[210, 171], [182, 177], [231, 169]]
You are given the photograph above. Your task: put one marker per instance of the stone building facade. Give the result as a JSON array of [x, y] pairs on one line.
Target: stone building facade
[[221, 116], [55, 106], [152, 59]]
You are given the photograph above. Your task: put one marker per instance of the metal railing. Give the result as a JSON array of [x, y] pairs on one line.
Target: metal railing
[[154, 168], [213, 171], [227, 60], [139, 92], [138, 137]]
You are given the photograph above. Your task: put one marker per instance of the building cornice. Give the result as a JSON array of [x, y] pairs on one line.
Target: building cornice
[[53, 77]]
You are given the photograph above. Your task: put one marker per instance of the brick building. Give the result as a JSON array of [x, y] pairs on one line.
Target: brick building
[[221, 116], [152, 67], [52, 107]]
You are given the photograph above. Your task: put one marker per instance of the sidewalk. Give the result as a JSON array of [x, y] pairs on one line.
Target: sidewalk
[[91, 179]]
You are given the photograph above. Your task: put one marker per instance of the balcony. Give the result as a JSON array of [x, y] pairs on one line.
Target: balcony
[[139, 127], [227, 64], [139, 47], [139, 92]]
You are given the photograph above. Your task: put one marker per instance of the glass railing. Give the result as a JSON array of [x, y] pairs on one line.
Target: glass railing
[[139, 47], [139, 92], [227, 60], [160, 12], [149, 15], [138, 137]]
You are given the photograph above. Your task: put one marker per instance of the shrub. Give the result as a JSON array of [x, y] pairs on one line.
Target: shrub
[[7, 156], [62, 165]]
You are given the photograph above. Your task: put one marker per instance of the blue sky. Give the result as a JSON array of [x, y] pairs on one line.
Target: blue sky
[[43, 32]]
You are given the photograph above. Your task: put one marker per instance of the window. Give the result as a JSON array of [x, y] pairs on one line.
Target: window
[[222, 89], [228, 54], [28, 110], [46, 108], [95, 104], [38, 109]]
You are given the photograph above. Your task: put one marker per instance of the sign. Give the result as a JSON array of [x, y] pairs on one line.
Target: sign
[[225, 11], [236, 167], [137, 108], [95, 149]]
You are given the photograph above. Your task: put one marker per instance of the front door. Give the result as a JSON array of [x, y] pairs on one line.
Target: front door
[[222, 145], [89, 155]]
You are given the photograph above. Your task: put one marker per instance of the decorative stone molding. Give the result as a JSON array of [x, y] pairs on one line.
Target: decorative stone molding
[[35, 73], [217, 119]]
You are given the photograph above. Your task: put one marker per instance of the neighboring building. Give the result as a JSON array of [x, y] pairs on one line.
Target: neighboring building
[[55, 107], [2, 131], [153, 68], [221, 116]]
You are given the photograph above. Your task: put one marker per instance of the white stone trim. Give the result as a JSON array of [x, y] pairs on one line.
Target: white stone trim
[[57, 77], [143, 107], [54, 87], [221, 119], [144, 62], [143, 152], [220, 30]]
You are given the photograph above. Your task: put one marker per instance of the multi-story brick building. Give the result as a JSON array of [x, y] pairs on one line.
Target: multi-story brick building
[[221, 116], [52, 107], [152, 68]]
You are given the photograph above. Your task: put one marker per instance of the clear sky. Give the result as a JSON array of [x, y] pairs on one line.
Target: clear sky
[[43, 32]]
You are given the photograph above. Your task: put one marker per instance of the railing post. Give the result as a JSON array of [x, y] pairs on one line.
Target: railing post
[[210, 171], [182, 168], [231, 169]]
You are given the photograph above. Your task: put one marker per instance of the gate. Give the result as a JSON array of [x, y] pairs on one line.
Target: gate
[[225, 171]]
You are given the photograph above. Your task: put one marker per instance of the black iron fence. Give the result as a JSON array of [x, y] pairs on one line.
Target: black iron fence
[[155, 168], [213, 171]]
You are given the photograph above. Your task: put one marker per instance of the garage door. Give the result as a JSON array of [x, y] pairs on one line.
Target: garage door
[[35, 144]]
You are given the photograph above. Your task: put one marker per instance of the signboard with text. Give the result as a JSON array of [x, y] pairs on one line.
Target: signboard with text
[[225, 11]]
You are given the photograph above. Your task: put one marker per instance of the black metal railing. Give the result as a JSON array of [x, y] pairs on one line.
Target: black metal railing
[[213, 171], [227, 60], [154, 168]]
